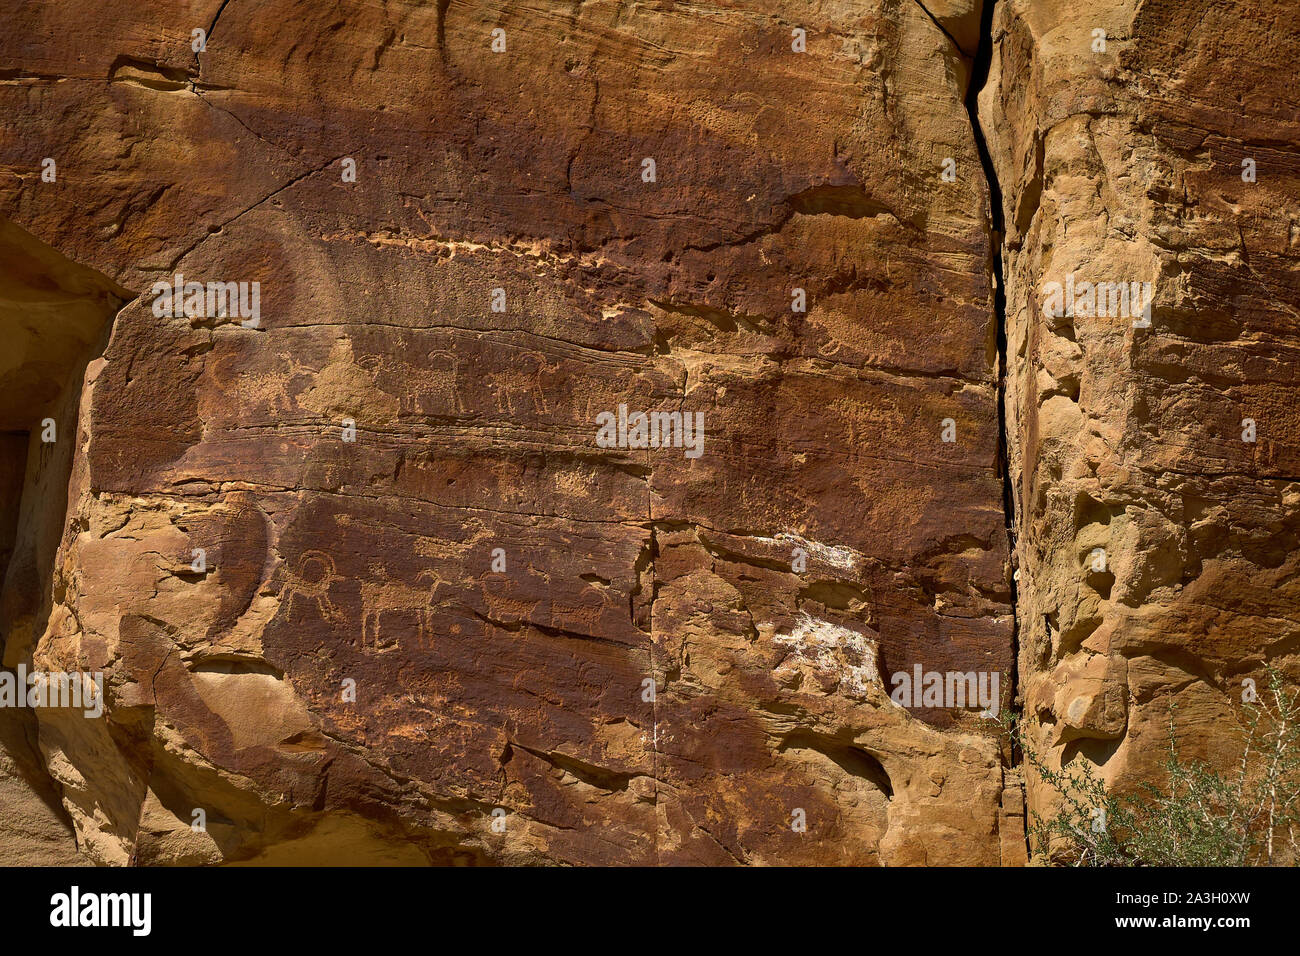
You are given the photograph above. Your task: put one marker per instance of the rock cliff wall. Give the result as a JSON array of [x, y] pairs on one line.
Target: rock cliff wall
[[377, 568], [1155, 449]]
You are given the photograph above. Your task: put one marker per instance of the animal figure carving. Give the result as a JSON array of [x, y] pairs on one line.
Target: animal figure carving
[[378, 597], [440, 382], [522, 381], [504, 609], [581, 618]]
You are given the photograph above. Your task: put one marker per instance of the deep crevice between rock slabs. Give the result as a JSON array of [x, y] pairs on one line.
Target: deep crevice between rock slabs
[[996, 228]]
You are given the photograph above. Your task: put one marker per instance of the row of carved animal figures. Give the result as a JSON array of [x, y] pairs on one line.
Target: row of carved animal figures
[[315, 573]]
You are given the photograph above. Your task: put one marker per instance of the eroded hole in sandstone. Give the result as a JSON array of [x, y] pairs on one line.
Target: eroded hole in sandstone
[[1090, 511], [54, 319], [1101, 582], [1097, 752], [853, 760]]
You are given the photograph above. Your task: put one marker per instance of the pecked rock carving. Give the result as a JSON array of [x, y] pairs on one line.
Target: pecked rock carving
[[436, 621]]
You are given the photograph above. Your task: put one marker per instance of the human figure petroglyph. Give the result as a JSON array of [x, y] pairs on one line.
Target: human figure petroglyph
[[302, 582]]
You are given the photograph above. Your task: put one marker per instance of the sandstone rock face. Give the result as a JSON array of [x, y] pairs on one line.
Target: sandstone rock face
[[1167, 443], [54, 318], [367, 579], [631, 654]]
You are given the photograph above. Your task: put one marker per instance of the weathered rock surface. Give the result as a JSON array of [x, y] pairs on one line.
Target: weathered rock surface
[[1128, 165], [372, 561], [475, 634]]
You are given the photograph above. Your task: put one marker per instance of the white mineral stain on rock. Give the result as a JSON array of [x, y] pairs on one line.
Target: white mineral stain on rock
[[834, 658], [838, 557]]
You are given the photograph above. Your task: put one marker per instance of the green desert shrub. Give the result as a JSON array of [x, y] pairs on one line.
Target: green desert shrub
[[1247, 815]]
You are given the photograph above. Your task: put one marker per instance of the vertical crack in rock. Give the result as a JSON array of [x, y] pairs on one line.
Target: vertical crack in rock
[[213, 25], [996, 228], [979, 75], [944, 30], [1155, 525]]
